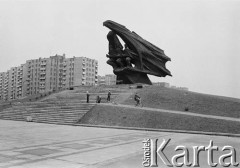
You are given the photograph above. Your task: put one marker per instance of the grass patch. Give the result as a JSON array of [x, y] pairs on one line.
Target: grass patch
[[119, 116], [172, 99]]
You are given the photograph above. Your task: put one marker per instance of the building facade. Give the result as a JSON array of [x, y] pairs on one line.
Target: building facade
[[101, 80], [47, 74], [109, 79], [11, 83], [162, 84]]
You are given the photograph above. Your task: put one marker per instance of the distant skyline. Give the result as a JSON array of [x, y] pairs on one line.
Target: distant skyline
[[201, 37]]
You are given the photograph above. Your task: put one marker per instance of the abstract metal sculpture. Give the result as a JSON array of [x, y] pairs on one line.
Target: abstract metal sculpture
[[138, 58]]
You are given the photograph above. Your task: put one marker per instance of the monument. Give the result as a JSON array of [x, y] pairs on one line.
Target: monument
[[136, 59]]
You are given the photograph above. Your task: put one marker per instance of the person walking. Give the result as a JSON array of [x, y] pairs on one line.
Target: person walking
[[88, 97], [109, 96], [137, 98]]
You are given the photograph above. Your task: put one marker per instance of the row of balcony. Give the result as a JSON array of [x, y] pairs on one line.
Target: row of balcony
[[89, 79], [20, 73], [43, 63]]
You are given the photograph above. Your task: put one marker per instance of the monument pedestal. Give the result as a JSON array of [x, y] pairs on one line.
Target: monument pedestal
[[129, 75]]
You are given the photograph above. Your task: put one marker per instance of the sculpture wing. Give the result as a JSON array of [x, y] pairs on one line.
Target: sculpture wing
[[148, 58]]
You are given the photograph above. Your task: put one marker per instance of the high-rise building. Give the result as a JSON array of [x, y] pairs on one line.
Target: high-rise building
[[47, 74], [11, 83], [3, 85]]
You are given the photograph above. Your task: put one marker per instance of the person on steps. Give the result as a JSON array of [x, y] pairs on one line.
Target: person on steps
[[88, 97], [98, 99], [109, 96]]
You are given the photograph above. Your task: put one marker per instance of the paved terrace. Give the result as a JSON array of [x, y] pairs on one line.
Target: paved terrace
[[36, 145]]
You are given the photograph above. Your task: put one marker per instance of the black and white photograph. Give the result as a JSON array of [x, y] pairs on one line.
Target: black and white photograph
[[119, 83]]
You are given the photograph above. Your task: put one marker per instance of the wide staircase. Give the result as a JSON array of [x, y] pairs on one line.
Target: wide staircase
[[47, 112], [66, 107]]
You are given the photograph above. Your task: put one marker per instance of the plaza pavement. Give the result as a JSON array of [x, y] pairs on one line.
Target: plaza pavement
[[36, 145]]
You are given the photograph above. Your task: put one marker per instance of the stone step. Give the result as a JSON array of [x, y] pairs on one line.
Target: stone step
[[45, 110], [55, 120], [45, 121], [80, 95], [69, 118], [67, 113], [15, 118], [71, 102], [54, 104], [64, 111], [52, 114], [53, 107], [58, 111], [53, 101], [12, 119], [45, 114], [77, 98], [49, 108], [57, 116]]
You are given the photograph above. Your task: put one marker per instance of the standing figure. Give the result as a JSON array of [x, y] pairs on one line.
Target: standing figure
[[137, 98], [88, 97], [109, 96]]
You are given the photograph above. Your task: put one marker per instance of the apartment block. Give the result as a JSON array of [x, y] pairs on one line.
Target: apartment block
[[11, 83], [101, 80], [3, 86], [109, 79], [47, 74]]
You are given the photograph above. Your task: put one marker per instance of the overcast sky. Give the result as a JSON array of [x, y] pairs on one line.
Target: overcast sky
[[201, 37]]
